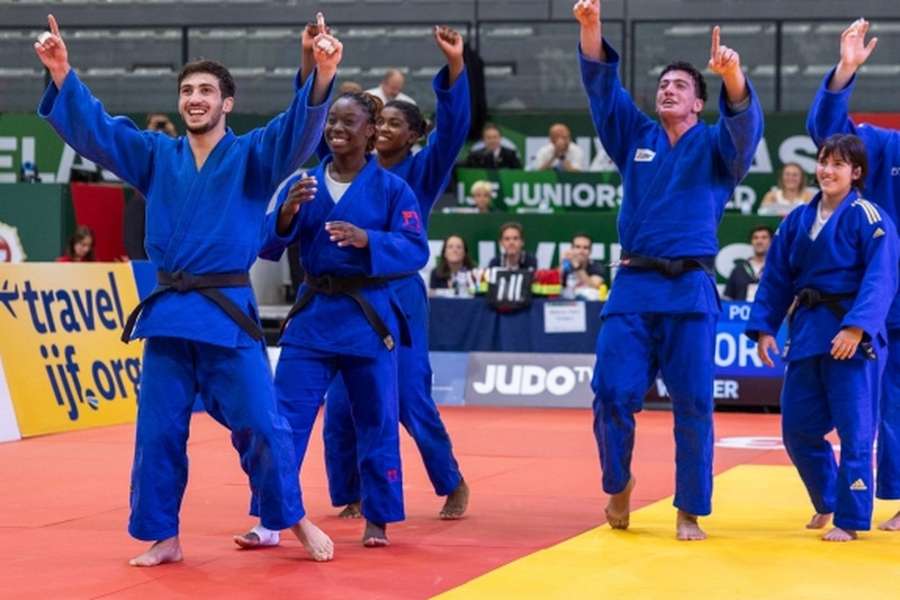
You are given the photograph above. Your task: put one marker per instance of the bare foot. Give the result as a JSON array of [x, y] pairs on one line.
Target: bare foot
[[687, 529], [316, 542], [375, 535], [840, 535], [618, 509], [457, 502], [819, 521], [258, 537], [892, 524], [351, 511], [161, 552]]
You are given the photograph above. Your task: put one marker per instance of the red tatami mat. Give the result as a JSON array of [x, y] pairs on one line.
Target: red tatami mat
[[534, 477]]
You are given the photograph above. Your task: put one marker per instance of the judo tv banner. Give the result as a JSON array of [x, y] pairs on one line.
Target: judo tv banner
[[66, 367]]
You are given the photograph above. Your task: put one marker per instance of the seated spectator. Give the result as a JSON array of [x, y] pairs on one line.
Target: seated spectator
[[453, 275], [560, 154], [483, 195], [493, 154], [580, 276], [161, 122], [744, 278], [391, 87], [790, 192], [80, 247], [512, 249]]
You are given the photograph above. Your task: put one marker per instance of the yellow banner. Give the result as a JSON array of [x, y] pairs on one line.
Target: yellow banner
[[60, 328]]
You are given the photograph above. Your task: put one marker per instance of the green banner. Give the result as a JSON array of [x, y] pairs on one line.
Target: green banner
[[543, 191], [548, 236]]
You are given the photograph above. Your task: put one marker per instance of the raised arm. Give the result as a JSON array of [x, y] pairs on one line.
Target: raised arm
[[81, 121], [587, 13], [829, 113], [740, 126]]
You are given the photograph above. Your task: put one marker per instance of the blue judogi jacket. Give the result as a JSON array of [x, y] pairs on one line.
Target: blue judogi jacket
[[674, 195], [856, 252], [200, 222], [383, 205], [829, 114]]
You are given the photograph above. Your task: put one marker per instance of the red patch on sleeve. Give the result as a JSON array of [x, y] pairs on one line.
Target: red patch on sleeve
[[411, 221]]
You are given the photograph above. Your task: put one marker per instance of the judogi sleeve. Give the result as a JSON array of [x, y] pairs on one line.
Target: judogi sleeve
[[273, 244], [288, 140], [775, 293], [404, 248], [614, 113], [453, 119], [114, 142], [830, 114], [739, 133], [879, 283]]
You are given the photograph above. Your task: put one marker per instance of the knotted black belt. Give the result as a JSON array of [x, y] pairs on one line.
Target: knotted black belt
[[348, 286], [206, 285], [811, 298], [671, 268]]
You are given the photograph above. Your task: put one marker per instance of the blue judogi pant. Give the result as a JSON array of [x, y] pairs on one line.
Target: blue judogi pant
[[302, 378], [888, 479], [631, 349], [236, 383], [821, 394], [418, 414]]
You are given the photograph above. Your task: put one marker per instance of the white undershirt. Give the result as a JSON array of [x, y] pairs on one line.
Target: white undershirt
[[819, 223], [336, 188]]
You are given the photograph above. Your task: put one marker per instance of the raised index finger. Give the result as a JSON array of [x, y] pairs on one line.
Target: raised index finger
[[714, 50], [320, 21], [54, 27]]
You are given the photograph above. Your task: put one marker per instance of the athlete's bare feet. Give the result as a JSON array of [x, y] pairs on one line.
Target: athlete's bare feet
[[258, 537], [840, 535], [687, 529], [618, 509], [892, 524], [457, 502], [819, 521], [316, 542], [351, 511], [375, 535], [161, 552]]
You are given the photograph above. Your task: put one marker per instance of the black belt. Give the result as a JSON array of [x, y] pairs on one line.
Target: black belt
[[811, 298], [671, 268], [206, 285], [348, 286]]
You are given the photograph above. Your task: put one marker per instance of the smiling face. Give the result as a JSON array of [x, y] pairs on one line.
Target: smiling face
[[348, 128], [392, 131], [454, 250], [836, 175], [676, 96], [792, 179], [200, 103], [761, 240]]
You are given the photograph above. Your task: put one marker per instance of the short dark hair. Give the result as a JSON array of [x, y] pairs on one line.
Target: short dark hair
[[850, 148], [411, 113], [218, 70], [490, 126], [697, 76], [583, 234], [761, 228], [512, 225]]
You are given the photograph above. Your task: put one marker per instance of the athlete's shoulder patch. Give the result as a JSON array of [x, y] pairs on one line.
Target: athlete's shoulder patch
[[411, 221], [871, 212], [644, 155], [878, 233]]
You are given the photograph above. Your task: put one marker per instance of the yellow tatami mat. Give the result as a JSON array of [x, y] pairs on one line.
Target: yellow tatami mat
[[757, 549]]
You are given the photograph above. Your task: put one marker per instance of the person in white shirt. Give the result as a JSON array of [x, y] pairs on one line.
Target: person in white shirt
[[391, 88], [560, 154]]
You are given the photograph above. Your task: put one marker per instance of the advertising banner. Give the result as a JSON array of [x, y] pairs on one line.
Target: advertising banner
[[65, 366]]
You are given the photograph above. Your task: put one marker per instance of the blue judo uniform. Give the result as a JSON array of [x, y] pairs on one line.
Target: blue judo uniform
[[674, 199], [427, 173], [829, 115], [198, 222], [855, 254], [332, 336]]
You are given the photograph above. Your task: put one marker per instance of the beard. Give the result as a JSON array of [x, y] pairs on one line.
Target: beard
[[211, 123]]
